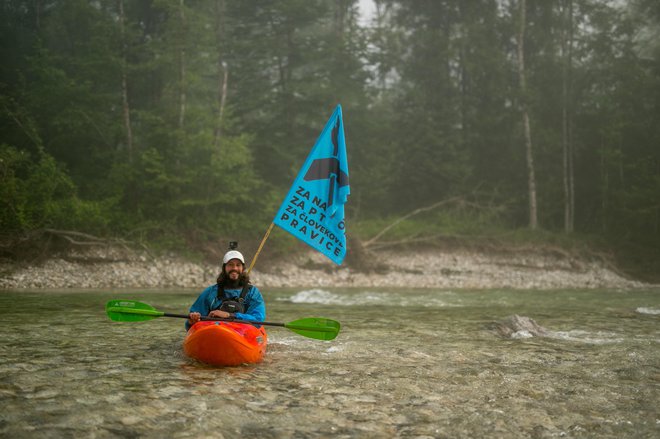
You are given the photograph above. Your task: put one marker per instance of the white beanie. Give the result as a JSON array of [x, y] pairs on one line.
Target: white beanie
[[233, 254]]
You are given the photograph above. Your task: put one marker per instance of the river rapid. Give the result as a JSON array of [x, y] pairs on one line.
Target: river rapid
[[407, 364]]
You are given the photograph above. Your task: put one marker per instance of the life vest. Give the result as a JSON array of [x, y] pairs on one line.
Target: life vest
[[231, 305]]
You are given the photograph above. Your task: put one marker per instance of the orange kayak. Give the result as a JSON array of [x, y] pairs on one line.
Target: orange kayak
[[225, 343]]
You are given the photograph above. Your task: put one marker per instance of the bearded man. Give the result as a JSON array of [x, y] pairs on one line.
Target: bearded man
[[232, 297]]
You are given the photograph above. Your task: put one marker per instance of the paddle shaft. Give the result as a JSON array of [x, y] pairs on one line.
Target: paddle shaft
[[219, 319]]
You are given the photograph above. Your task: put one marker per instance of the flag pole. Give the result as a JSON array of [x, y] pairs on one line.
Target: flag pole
[[263, 241]]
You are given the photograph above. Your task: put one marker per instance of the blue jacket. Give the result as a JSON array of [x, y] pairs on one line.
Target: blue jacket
[[255, 308]]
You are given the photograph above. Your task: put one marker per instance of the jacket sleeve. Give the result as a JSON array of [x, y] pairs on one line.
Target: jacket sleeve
[[203, 303], [256, 311]]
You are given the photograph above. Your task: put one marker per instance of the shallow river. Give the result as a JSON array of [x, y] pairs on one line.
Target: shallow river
[[419, 363]]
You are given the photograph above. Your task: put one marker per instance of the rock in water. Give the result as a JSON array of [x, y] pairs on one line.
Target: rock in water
[[516, 326]]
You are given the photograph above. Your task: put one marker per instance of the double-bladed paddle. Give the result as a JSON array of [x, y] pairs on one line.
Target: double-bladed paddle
[[132, 311]]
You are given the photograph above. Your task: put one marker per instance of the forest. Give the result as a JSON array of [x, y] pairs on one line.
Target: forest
[[182, 123]]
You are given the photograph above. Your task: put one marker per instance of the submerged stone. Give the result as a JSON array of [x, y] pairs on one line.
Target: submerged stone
[[516, 326]]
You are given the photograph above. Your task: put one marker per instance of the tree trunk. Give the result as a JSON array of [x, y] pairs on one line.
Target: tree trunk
[[182, 66], [463, 76], [567, 143], [285, 69], [340, 18], [604, 186], [531, 178], [223, 71], [37, 14], [124, 83]]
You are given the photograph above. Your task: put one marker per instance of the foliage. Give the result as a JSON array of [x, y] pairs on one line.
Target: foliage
[[37, 194], [185, 121]]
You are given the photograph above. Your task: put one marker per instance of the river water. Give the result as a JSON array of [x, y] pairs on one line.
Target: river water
[[407, 364]]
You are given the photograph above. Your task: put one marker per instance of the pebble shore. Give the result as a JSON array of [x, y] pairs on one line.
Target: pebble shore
[[457, 269]]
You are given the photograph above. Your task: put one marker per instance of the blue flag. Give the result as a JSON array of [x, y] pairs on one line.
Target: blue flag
[[313, 210]]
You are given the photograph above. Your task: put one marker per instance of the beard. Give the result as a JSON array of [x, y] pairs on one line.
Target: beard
[[230, 281]]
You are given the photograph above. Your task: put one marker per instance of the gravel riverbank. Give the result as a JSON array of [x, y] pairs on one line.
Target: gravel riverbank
[[459, 269]]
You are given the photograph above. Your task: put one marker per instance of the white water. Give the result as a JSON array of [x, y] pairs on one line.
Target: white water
[[651, 311], [424, 298]]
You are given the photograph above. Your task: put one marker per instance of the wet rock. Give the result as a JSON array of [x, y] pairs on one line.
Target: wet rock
[[516, 326]]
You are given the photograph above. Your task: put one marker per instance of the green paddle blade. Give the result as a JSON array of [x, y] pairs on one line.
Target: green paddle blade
[[315, 327], [130, 311]]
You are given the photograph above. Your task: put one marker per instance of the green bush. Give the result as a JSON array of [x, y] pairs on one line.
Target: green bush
[[36, 193]]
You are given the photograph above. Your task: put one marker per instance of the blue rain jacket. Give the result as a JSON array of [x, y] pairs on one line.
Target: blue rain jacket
[[255, 308]]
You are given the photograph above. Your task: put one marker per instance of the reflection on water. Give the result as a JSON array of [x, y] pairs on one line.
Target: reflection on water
[[407, 364]]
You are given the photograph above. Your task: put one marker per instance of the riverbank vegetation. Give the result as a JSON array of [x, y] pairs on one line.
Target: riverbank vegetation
[[178, 125]]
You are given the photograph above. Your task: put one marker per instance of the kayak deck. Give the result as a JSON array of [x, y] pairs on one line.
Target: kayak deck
[[225, 343]]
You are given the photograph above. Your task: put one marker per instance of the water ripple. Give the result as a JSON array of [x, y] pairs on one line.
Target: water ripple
[[416, 363]]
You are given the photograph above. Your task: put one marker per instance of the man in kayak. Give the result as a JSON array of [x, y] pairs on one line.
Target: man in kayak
[[233, 297]]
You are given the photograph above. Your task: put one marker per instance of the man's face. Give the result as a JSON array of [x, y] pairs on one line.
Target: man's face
[[234, 268]]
